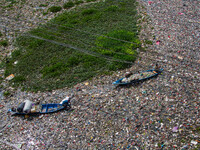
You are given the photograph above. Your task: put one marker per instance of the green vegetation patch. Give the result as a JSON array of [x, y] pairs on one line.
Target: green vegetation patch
[[112, 8], [6, 93], [4, 43], [120, 44], [11, 3], [78, 2], [68, 5], [55, 9], [91, 0], [89, 11], [148, 42], [43, 5], [75, 46]]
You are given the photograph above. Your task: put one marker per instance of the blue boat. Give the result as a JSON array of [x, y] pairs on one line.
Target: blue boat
[[135, 78], [44, 108]]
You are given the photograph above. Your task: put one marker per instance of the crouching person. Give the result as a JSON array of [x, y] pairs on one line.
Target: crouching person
[[27, 106], [21, 107]]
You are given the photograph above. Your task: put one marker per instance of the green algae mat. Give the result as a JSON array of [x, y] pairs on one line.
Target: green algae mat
[[87, 41]]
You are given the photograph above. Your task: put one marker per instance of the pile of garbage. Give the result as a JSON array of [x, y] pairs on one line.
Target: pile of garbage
[[161, 113]]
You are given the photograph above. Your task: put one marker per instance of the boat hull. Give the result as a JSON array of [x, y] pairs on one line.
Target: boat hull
[[119, 82], [45, 109]]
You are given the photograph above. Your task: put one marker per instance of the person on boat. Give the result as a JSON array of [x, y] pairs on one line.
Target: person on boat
[[127, 75], [27, 106], [157, 68]]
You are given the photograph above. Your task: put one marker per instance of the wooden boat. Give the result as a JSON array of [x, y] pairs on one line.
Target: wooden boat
[[44, 108], [138, 77]]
